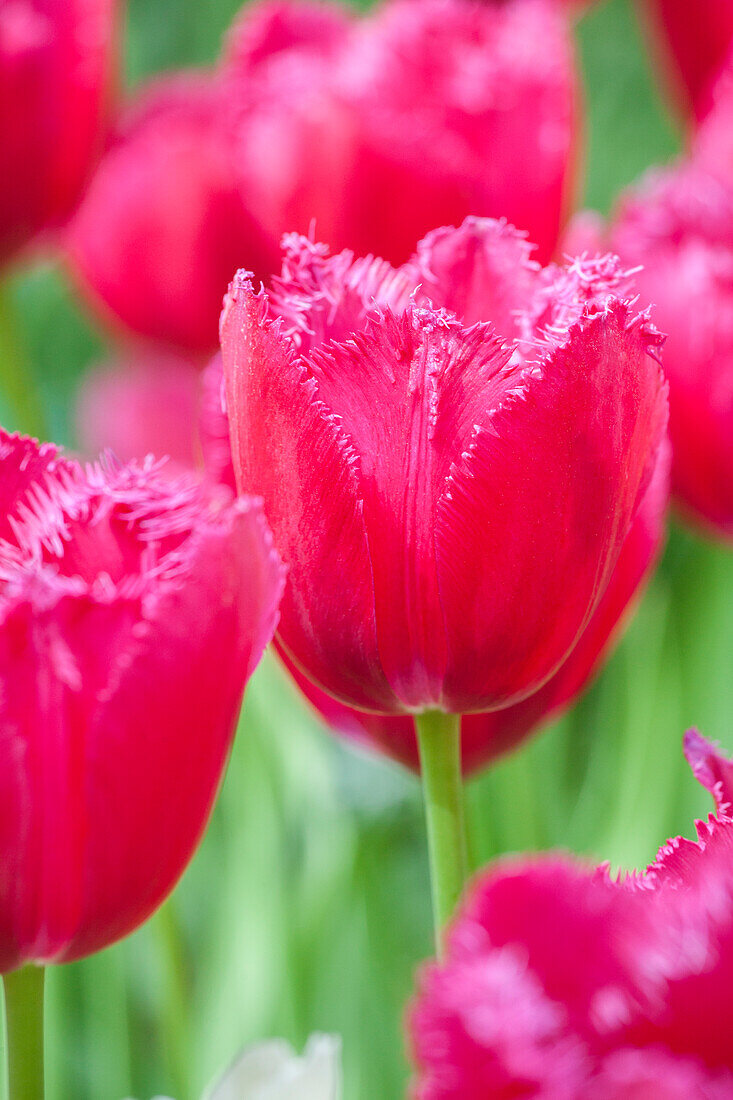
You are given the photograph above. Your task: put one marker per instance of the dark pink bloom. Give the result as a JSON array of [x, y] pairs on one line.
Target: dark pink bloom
[[678, 224], [486, 736], [450, 455], [143, 402], [692, 40], [451, 97], [373, 128], [559, 983], [55, 77], [133, 608], [163, 225]]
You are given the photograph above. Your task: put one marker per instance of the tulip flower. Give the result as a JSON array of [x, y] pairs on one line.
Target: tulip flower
[[678, 225], [558, 982], [692, 41], [373, 128], [484, 737], [450, 455], [450, 98], [273, 1071], [55, 82], [141, 403], [160, 266], [133, 608]]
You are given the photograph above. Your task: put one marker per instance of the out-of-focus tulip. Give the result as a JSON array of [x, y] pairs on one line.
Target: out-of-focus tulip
[[450, 495], [559, 983], [691, 40], [373, 128], [678, 224], [450, 97], [55, 77], [273, 1071], [141, 403], [133, 608], [163, 225], [486, 736]]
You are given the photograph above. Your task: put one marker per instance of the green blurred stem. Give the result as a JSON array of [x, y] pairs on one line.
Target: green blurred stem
[[176, 994], [439, 738], [16, 383], [24, 1029]]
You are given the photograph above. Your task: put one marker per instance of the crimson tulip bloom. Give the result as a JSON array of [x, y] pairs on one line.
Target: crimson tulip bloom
[[484, 737], [692, 41], [373, 128], [451, 496], [161, 264], [678, 225], [55, 76], [561, 983], [133, 608]]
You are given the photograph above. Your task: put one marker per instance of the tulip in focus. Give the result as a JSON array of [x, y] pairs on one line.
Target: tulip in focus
[[691, 40], [450, 455], [133, 609], [561, 983], [678, 226], [55, 81]]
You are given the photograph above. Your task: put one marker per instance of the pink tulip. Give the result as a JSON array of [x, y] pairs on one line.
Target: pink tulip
[[163, 225], [692, 40], [372, 128], [450, 98], [450, 456], [487, 736], [133, 610], [678, 224], [55, 82], [143, 402], [559, 983]]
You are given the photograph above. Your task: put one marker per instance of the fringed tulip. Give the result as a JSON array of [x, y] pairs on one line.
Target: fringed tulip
[[450, 456], [55, 83], [487, 736], [559, 983], [163, 225], [691, 40], [133, 608], [372, 128], [678, 226], [141, 403]]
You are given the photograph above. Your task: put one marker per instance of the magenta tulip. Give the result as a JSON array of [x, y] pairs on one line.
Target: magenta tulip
[[678, 226], [56, 59], [133, 608], [691, 41], [161, 264], [450, 456], [559, 983], [373, 128]]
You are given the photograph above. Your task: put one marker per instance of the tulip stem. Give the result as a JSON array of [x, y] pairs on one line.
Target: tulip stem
[[17, 388], [24, 1030], [439, 739]]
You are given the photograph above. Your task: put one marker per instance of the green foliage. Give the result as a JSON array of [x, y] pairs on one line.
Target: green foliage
[[307, 906]]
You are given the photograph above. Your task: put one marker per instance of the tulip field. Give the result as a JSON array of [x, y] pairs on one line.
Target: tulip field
[[404, 333]]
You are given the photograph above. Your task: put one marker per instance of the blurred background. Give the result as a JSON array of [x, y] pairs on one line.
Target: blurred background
[[307, 906]]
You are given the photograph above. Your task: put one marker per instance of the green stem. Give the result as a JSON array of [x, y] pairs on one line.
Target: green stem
[[439, 738], [17, 386], [24, 1028]]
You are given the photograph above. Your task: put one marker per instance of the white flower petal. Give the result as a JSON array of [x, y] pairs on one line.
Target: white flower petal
[[273, 1071]]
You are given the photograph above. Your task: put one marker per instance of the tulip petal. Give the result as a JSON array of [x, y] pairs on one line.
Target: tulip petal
[[559, 469], [290, 449]]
